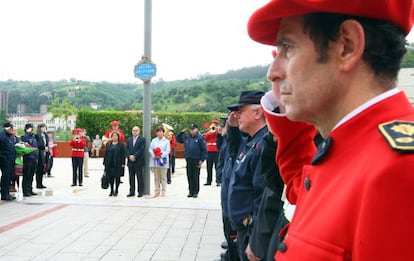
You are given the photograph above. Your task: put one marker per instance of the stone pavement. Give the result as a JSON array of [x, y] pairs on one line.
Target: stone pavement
[[84, 223]]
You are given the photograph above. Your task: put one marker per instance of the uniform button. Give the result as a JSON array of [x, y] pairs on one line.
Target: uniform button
[[307, 183], [282, 247]]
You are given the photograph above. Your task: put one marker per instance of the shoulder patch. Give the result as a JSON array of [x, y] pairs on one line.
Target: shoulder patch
[[399, 135]]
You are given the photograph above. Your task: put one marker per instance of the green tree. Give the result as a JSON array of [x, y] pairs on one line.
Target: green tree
[[408, 61], [62, 109]]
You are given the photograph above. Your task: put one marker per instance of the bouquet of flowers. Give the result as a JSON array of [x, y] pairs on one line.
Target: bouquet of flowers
[[21, 150], [158, 153]]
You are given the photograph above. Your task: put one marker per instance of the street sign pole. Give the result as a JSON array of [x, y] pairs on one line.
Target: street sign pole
[[144, 70]]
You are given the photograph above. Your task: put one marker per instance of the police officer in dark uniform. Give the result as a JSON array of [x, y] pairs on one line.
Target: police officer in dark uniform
[[43, 146], [246, 182], [29, 160], [195, 151], [7, 159], [264, 238], [224, 169]]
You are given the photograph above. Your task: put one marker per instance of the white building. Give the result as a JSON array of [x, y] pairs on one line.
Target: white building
[[20, 120]]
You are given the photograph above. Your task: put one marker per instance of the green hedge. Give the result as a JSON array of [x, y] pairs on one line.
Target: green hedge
[[97, 122]]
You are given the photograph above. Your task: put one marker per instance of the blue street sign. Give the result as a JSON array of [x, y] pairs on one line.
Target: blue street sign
[[145, 70]]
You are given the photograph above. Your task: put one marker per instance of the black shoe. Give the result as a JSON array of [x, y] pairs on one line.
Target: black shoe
[[33, 193], [73, 185], [130, 195], [218, 184], [140, 195], [115, 193], [80, 185], [190, 195], [224, 245], [50, 176], [111, 194], [8, 198], [169, 182], [224, 256], [41, 187], [27, 195], [195, 196], [207, 184]]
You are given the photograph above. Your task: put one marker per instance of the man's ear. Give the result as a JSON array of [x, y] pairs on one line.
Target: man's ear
[[351, 43]]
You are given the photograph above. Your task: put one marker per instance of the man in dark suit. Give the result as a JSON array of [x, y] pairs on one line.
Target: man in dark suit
[[136, 161]]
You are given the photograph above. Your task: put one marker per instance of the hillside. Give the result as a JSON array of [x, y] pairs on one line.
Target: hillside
[[206, 93]]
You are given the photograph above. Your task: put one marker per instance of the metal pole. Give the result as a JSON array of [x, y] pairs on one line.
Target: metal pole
[[147, 94]]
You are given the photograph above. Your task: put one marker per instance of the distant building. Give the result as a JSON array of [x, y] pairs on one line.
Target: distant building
[[19, 120], [4, 101], [95, 106], [43, 109], [21, 108]]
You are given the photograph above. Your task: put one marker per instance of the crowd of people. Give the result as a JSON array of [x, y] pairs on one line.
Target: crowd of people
[[333, 76]]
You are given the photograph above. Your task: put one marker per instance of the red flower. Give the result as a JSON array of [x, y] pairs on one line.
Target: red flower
[[157, 152]]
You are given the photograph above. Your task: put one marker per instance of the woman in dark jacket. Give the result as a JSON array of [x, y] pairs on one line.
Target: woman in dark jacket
[[114, 162]]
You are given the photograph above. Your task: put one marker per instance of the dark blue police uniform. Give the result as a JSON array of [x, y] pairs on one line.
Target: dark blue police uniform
[[246, 182], [224, 169], [195, 150], [7, 161], [29, 163]]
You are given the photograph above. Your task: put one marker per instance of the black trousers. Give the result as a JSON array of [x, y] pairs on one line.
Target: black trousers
[[232, 252], [242, 242], [7, 170], [49, 164], [40, 170], [136, 172], [29, 169], [114, 181], [77, 170], [193, 176], [171, 161], [211, 162]]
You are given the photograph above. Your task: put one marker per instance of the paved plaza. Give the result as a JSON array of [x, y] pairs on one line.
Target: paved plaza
[[84, 223]]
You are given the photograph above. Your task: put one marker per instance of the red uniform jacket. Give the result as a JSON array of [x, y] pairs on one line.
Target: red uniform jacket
[[173, 143], [211, 141], [78, 147], [355, 203]]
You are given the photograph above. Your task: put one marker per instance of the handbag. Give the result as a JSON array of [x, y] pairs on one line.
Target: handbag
[[104, 181], [18, 170]]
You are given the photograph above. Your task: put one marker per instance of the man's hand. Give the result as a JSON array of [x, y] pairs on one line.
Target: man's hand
[[250, 254], [233, 119], [131, 157]]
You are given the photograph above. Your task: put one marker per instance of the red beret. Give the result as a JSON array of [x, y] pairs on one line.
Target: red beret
[[114, 123], [263, 25], [76, 131]]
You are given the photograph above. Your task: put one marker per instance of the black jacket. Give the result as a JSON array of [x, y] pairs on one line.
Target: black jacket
[[138, 151], [114, 159]]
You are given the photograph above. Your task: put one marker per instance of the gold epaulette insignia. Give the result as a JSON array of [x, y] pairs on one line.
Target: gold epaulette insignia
[[399, 135]]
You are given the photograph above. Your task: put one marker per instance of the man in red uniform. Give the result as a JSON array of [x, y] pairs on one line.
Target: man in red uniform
[[78, 143], [115, 128], [212, 151], [336, 66]]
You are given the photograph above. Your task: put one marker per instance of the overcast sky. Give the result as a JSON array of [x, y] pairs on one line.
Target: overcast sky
[[102, 40]]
